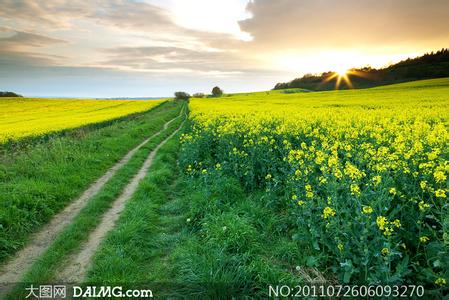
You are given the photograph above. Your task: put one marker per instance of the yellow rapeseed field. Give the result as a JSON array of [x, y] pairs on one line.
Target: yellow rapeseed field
[[363, 173], [21, 117]]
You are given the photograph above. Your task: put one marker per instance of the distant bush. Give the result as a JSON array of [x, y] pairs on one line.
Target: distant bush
[[217, 92], [9, 94], [182, 96], [198, 95]]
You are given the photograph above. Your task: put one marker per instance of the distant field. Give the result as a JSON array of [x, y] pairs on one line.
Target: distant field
[[22, 117]]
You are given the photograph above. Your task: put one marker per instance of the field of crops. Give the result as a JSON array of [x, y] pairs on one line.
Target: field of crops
[[21, 117], [361, 174]]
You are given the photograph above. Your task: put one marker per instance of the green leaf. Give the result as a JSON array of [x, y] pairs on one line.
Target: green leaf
[[347, 276], [312, 261]]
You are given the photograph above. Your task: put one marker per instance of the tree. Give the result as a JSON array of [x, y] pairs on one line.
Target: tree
[[198, 95], [182, 96], [217, 92]]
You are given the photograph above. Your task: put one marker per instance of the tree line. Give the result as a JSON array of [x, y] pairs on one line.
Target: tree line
[[216, 92], [430, 65], [9, 94]]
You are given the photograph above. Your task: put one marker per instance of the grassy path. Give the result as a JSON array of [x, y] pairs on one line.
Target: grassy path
[[13, 270], [41, 177], [76, 232], [137, 250], [78, 263]]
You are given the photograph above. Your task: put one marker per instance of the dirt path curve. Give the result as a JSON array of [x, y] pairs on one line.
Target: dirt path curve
[[14, 269], [79, 263]]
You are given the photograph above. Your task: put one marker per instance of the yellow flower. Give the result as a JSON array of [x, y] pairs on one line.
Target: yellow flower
[[388, 231], [423, 206], [385, 251], [355, 190], [340, 247], [309, 193], [298, 173], [338, 174], [328, 212], [432, 155], [440, 281], [204, 171], [268, 177], [440, 193], [323, 180], [396, 223], [381, 222], [424, 239], [367, 210], [423, 184], [377, 180], [294, 197], [301, 203], [393, 191], [218, 166], [439, 176]]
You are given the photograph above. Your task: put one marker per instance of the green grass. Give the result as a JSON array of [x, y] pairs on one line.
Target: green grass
[[126, 254], [40, 179], [73, 236]]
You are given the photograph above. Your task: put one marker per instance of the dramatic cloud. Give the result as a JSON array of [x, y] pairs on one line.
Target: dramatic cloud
[[346, 23]]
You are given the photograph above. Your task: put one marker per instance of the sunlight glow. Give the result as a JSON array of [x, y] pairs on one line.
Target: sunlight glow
[[341, 71], [338, 61]]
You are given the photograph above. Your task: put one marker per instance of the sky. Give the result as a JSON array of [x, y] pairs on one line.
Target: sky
[[152, 48]]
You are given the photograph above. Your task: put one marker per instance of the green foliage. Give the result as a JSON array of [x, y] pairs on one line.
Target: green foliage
[[182, 96], [198, 95], [217, 92]]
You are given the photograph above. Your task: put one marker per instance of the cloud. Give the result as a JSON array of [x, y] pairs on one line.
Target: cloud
[[13, 40], [345, 23], [18, 49], [177, 59], [55, 13]]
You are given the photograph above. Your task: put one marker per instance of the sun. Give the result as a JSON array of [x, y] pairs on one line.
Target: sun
[[341, 74], [342, 71]]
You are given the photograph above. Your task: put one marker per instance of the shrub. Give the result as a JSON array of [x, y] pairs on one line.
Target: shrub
[[182, 96], [198, 95]]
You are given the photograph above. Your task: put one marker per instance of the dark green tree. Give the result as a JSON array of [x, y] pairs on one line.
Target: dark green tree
[[182, 96], [217, 92]]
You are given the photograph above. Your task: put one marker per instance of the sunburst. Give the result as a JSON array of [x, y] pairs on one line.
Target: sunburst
[[343, 75]]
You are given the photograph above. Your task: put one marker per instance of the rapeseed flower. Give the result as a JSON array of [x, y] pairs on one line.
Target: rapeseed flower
[[328, 212]]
